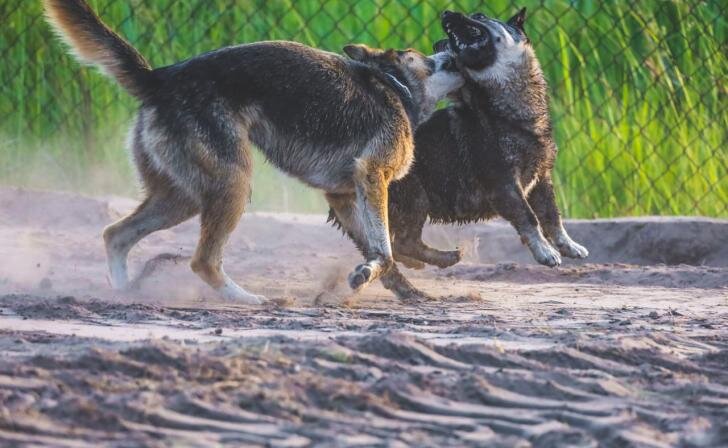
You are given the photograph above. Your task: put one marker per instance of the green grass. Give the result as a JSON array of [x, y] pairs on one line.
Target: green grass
[[639, 91]]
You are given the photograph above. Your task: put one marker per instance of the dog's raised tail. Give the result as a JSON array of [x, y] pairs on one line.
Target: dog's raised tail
[[95, 43]]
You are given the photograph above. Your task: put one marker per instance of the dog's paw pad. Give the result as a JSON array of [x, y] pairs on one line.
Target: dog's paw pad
[[360, 277]]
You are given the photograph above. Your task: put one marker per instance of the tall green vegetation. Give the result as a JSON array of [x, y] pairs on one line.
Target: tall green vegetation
[[639, 91]]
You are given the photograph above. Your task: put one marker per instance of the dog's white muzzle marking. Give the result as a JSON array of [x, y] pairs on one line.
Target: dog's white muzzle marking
[[442, 82]]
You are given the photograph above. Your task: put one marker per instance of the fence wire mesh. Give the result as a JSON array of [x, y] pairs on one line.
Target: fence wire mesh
[[639, 91]]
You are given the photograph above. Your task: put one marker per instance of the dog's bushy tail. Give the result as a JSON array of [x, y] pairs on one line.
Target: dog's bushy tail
[[95, 43]]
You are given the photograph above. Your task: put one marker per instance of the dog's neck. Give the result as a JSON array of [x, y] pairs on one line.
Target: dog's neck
[[403, 88], [523, 97], [404, 93]]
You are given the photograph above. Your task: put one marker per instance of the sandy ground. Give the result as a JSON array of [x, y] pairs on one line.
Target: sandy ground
[[512, 354]]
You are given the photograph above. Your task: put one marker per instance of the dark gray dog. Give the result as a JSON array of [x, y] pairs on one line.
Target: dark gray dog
[[490, 154], [344, 126]]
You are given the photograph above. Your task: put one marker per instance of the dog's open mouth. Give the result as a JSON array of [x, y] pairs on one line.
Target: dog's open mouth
[[464, 32]]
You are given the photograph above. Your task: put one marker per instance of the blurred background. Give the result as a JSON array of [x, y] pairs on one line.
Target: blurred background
[[639, 91]]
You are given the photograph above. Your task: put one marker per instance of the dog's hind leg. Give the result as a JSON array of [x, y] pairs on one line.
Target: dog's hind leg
[[511, 204], [543, 202], [163, 208], [221, 211], [344, 207], [413, 247], [408, 213], [409, 262]]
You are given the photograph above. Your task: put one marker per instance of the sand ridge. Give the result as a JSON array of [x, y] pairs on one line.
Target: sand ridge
[[511, 354]]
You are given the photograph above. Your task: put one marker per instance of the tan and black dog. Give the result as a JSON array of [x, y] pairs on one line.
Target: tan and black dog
[[489, 154], [344, 126]]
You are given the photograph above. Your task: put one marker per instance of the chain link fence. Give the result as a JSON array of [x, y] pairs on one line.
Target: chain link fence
[[639, 90]]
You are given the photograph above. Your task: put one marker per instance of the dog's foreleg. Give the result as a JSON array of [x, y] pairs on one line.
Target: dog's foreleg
[[543, 202], [511, 204], [345, 208], [364, 217], [408, 210], [371, 211]]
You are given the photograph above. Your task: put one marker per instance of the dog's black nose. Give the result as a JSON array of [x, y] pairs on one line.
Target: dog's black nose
[[446, 14]]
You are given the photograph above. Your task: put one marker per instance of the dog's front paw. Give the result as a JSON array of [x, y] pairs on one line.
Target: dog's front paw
[[234, 293], [572, 249], [546, 255], [360, 277]]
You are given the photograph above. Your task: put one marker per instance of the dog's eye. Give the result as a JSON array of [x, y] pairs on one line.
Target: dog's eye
[[479, 16]]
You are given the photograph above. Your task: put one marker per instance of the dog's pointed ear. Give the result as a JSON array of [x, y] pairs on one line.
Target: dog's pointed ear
[[441, 46], [358, 52], [518, 20]]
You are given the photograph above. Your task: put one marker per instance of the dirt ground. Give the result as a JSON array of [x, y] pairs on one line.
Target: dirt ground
[[512, 354]]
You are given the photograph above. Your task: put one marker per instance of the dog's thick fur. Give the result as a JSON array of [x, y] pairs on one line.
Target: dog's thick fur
[[489, 154], [342, 125]]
